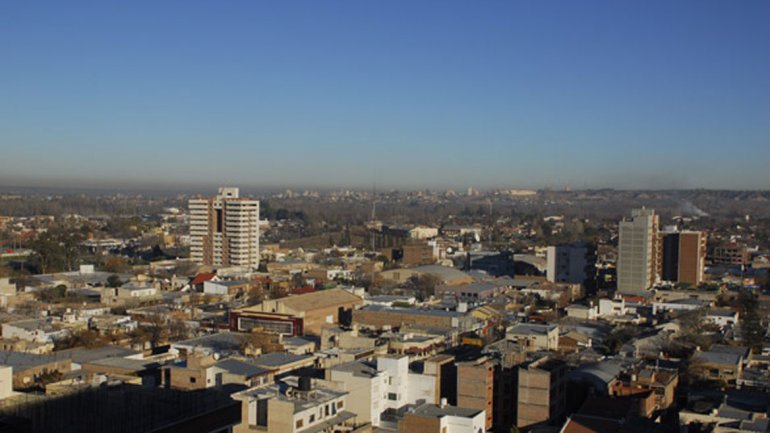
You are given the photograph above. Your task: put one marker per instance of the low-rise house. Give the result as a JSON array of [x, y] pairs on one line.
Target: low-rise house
[[661, 382], [226, 288], [26, 346], [136, 291], [574, 342], [722, 317], [441, 418], [472, 292], [582, 312], [36, 330], [206, 371], [534, 337], [30, 369], [612, 307], [723, 366], [111, 324]]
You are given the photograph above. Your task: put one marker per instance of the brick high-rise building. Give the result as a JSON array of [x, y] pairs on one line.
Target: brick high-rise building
[[224, 230], [638, 251], [684, 256], [542, 393], [475, 386]]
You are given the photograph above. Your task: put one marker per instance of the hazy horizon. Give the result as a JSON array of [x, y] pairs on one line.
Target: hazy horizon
[[408, 95]]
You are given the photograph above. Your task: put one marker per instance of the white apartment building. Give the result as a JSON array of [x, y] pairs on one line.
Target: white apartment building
[[388, 386], [224, 230]]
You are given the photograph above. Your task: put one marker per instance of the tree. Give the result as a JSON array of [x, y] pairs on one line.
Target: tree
[[752, 331], [298, 280], [426, 284], [156, 330], [115, 264], [54, 294], [57, 249], [84, 338], [114, 281], [178, 330]]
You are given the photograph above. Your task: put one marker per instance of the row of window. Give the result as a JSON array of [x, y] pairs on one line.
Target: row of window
[[329, 409]]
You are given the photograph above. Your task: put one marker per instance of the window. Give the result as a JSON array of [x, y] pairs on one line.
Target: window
[[192, 380], [340, 404], [392, 396], [311, 419], [299, 423]]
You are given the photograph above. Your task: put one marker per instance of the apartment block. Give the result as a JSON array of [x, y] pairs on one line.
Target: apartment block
[[684, 256], [475, 387], [638, 251], [572, 263], [542, 392], [294, 405], [224, 230]]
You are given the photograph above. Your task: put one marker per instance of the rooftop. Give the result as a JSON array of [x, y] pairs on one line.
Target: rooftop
[[438, 411], [531, 329], [278, 359], [22, 361]]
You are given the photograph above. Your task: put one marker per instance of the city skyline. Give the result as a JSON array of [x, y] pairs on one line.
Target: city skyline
[[402, 95]]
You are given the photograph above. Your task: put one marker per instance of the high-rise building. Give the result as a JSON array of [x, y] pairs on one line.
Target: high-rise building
[[684, 256], [224, 230], [638, 251], [572, 263]]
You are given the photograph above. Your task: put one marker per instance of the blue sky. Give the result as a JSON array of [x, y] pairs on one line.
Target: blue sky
[[624, 94]]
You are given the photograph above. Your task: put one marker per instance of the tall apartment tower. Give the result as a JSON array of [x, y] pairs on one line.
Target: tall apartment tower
[[224, 230], [684, 256], [638, 251]]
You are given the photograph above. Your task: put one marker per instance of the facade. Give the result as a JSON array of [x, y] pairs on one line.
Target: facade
[[684, 257], [224, 230], [28, 368], [416, 254], [302, 314], [364, 383], [294, 405], [638, 252], [730, 254], [542, 393], [387, 386], [475, 387], [572, 263]]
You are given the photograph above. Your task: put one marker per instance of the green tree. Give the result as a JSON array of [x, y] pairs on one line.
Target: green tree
[[57, 249], [752, 331], [114, 281]]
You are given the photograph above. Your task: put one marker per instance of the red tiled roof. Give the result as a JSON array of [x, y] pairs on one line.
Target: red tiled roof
[[202, 278], [303, 290]]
